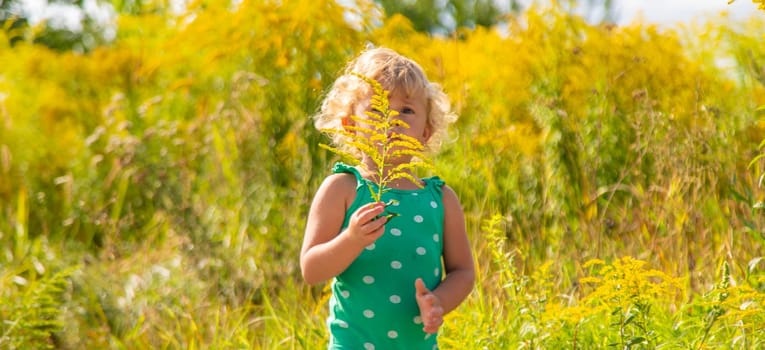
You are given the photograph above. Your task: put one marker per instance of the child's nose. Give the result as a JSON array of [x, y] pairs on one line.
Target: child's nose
[[393, 133]]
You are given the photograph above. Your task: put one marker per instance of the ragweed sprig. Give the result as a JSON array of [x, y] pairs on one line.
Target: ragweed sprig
[[373, 135], [626, 293]]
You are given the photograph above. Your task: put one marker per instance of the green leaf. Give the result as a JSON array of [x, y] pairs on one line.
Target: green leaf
[[635, 341], [755, 159], [391, 202], [738, 196], [630, 317], [391, 215]]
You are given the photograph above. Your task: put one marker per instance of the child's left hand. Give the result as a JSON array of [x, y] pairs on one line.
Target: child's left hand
[[431, 312]]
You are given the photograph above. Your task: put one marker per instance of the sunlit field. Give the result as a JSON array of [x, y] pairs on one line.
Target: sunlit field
[[154, 191]]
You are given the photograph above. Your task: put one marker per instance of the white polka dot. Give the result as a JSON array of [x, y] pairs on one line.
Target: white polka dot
[[435, 347], [345, 294], [433, 204], [369, 279], [436, 271], [417, 320], [342, 324], [392, 334], [395, 299], [395, 264], [371, 247], [369, 346], [436, 238], [395, 232], [418, 218], [369, 313], [421, 251], [415, 194]]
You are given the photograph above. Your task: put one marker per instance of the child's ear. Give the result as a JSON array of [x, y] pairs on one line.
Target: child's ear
[[427, 132]]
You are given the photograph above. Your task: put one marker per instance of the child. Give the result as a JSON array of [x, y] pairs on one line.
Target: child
[[388, 291]]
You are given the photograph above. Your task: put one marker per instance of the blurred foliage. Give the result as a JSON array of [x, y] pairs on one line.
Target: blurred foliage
[[92, 29], [12, 21], [433, 16], [153, 191], [73, 26], [447, 17]]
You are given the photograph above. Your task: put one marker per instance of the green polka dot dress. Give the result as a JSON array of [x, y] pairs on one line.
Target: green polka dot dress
[[373, 305]]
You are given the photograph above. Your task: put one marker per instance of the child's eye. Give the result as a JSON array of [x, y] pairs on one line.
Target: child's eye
[[407, 110]]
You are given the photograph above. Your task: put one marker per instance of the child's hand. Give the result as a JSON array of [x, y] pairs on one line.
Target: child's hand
[[430, 308], [364, 226]]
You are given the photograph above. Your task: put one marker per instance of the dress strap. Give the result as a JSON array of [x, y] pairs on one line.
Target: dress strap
[[340, 167], [436, 185]]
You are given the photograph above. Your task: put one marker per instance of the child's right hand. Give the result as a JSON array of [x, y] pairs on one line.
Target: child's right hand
[[365, 226]]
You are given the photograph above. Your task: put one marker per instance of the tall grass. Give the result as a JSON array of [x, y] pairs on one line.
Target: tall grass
[[605, 174]]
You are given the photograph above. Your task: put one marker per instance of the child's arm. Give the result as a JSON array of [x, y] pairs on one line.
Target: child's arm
[[458, 263], [458, 260], [325, 253]]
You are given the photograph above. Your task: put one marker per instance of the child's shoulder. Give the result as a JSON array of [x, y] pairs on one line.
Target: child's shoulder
[[340, 183], [337, 189], [449, 195], [341, 178]]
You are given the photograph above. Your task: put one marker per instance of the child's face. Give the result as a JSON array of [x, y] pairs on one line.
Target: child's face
[[411, 110]]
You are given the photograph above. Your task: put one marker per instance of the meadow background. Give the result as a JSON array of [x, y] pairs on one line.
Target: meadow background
[[154, 188]]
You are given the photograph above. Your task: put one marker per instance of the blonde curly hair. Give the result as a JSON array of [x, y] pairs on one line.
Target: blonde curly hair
[[397, 74]]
